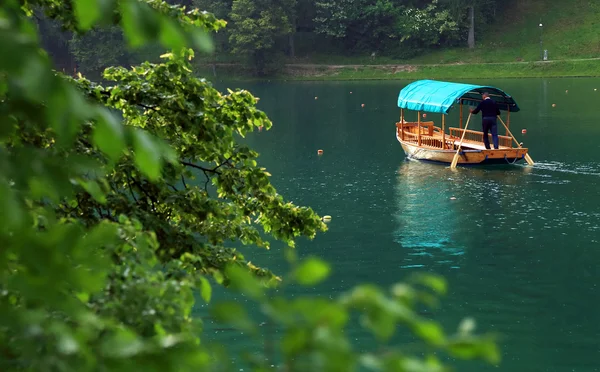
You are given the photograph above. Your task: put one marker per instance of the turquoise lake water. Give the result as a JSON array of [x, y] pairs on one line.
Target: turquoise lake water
[[518, 245]]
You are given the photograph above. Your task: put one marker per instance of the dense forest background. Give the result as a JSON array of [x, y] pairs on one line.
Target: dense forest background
[[264, 34]]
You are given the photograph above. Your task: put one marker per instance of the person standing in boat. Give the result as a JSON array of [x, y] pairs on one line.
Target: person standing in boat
[[489, 112]]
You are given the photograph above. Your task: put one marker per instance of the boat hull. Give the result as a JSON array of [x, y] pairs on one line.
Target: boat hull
[[466, 157]]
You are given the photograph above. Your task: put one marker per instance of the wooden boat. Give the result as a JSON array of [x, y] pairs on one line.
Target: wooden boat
[[423, 140]]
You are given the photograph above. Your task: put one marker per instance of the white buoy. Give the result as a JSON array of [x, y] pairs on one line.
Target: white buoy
[[453, 198], [326, 219]]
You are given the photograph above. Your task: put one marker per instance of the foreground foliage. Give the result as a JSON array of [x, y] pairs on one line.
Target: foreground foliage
[[110, 225]]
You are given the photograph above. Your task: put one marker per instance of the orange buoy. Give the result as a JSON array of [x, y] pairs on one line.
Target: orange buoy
[[320, 152], [524, 131], [424, 115], [363, 105]]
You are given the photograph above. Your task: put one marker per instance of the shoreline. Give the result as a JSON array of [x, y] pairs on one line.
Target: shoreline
[[321, 72]]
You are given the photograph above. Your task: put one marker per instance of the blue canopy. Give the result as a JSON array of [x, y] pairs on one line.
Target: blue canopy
[[440, 96]]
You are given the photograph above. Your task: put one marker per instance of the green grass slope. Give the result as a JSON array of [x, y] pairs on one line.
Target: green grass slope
[[571, 30]]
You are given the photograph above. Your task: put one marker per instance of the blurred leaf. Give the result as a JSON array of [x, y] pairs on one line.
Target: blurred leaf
[[295, 340], [171, 35], [242, 280], [435, 282], [467, 325], [92, 188], [37, 81], [311, 271], [429, 331], [202, 40], [471, 347], [11, 214], [371, 362], [147, 154], [382, 325], [490, 351], [87, 12], [319, 311], [234, 314], [140, 23], [122, 344], [67, 344], [205, 289], [168, 153], [412, 364], [404, 293], [108, 135], [101, 235]]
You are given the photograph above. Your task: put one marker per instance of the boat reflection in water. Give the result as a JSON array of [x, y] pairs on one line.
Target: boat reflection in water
[[426, 216]]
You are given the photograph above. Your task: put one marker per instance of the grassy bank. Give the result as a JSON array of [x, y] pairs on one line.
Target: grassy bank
[[571, 68], [569, 32]]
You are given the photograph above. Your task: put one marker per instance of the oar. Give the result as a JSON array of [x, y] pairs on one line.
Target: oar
[[528, 158], [455, 160]]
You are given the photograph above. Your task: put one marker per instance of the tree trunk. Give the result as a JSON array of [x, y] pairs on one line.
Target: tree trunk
[[259, 62], [291, 38], [471, 39], [292, 47]]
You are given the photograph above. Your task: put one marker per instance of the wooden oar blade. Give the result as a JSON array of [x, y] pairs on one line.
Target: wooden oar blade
[[529, 160], [454, 161]]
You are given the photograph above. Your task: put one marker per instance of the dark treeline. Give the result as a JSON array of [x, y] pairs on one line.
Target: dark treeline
[[263, 34]]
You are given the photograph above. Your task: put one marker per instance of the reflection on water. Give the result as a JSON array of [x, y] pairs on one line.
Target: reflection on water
[[426, 216]]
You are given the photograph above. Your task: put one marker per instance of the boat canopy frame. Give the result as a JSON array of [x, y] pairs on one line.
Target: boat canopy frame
[[441, 96]]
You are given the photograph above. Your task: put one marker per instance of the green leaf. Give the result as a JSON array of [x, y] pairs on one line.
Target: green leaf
[[11, 214], [122, 344], [434, 282], [67, 344], [108, 135], [168, 153], [383, 325], [202, 41], [147, 154], [470, 347], [37, 81], [205, 289], [312, 271], [371, 362], [87, 12], [467, 325], [171, 35], [67, 110], [242, 279], [234, 314], [140, 23], [490, 351], [92, 188], [429, 331], [102, 235], [295, 340]]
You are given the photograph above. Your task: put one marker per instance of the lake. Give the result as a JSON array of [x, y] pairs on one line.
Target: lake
[[518, 245]]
